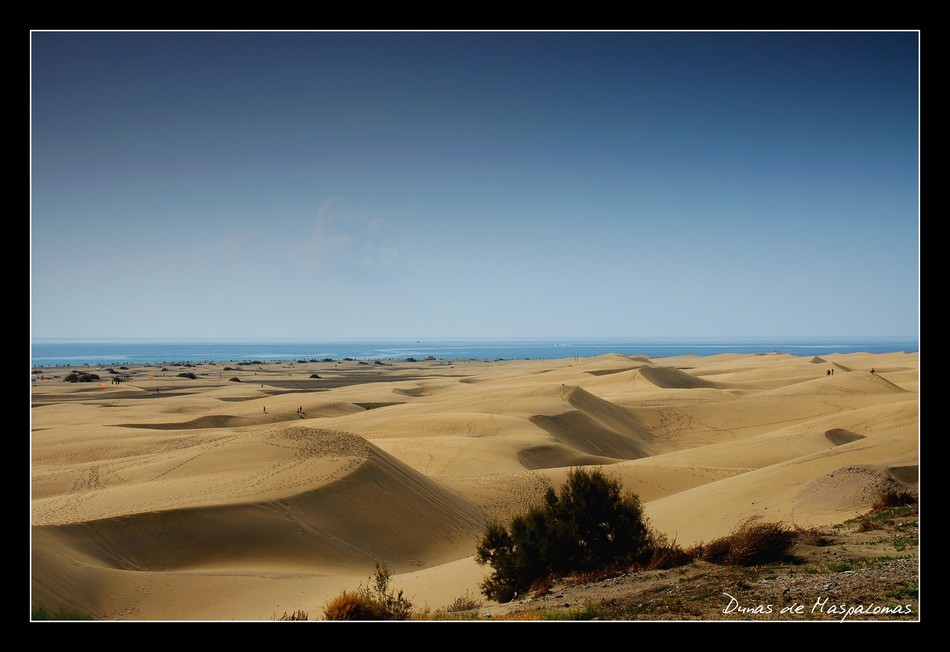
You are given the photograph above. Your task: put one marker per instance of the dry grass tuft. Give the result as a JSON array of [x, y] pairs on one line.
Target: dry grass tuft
[[299, 614]]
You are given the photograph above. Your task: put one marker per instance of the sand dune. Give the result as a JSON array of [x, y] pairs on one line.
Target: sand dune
[[845, 383], [779, 491], [673, 378], [210, 499]]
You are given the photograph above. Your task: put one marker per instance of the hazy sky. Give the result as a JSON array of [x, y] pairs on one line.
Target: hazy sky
[[422, 185]]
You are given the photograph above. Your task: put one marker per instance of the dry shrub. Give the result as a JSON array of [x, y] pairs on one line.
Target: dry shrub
[[749, 544], [299, 614], [866, 525], [668, 555], [464, 603], [715, 552], [759, 543], [542, 586], [891, 497], [376, 603], [354, 605]]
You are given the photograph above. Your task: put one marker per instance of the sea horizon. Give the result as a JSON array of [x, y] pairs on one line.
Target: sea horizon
[[64, 352]]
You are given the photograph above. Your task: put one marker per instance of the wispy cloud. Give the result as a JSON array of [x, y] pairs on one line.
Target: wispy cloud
[[344, 237]]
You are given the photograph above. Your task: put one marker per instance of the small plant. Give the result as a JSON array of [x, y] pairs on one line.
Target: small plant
[[910, 591], [867, 524], [376, 603], [888, 507], [464, 603], [840, 566], [299, 614]]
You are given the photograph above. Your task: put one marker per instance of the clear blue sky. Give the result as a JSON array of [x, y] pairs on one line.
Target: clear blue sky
[[489, 184]]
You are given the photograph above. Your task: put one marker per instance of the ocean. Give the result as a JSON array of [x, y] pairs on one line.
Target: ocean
[[66, 353]]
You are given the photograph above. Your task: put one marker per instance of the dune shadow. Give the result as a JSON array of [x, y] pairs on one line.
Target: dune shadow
[[608, 372], [839, 436], [552, 456], [909, 474], [668, 378], [212, 421], [410, 391], [582, 433], [375, 406]]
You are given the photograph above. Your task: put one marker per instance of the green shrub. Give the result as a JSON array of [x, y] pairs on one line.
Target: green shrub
[[81, 377], [590, 525]]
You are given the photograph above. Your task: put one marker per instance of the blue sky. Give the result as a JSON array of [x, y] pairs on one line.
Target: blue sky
[[328, 185]]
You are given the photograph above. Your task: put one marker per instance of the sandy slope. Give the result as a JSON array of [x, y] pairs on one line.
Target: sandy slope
[[168, 498]]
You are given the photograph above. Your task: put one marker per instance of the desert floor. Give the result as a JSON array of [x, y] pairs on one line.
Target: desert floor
[[257, 489]]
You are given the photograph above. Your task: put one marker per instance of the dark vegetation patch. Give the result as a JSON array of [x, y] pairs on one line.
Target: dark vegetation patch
[[81, 377]]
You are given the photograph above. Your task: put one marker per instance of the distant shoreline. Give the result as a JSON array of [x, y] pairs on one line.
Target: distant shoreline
[[59, 353]]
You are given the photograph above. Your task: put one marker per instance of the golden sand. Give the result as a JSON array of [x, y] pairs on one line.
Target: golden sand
[[256, 490]]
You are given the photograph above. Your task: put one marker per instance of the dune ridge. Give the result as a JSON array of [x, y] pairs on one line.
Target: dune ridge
[[334, 527], [220, 500]]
